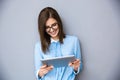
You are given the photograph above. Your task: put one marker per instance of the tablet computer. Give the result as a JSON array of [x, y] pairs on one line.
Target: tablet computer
[[59, 61]]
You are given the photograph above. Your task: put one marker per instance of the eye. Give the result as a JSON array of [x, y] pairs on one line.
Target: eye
[[54, 24], [47, 27]]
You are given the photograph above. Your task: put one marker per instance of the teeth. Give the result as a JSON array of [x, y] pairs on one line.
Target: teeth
[[53, 33]]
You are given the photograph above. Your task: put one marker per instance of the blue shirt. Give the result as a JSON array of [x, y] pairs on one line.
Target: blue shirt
[[70, 46]]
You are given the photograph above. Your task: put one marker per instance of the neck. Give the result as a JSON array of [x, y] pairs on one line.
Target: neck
[[56, 38]]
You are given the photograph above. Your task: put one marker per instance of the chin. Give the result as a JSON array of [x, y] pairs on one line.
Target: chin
[[53, 36]]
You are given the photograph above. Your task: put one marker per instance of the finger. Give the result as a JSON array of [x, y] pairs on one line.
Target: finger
[[52, 66], [44, 66], [49, 68], [45, 72], [70, 64], [76, 61]]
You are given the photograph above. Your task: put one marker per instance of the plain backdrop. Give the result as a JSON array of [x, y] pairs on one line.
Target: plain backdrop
[[95, 22]]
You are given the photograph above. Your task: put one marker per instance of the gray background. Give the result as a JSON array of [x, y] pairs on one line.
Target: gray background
[[95, 22]]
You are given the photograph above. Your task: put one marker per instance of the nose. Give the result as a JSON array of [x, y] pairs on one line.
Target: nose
[[51, 29]]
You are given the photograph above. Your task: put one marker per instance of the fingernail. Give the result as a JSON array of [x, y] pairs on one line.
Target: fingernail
[[52, 66], [69, 64]]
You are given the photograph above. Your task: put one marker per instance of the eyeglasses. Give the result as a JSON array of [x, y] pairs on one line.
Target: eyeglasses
[[53, 26]]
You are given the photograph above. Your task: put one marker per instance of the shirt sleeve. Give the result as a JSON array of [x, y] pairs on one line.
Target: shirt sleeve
[[37, 57], [77, 52]]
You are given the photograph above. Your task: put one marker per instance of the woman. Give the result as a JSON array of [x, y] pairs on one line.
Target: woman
[[54, 43]]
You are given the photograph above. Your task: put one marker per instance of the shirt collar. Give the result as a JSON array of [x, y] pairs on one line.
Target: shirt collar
[[52, 40]]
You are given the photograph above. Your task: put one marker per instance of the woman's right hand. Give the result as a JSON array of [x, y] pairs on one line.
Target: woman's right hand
[[44, 70]]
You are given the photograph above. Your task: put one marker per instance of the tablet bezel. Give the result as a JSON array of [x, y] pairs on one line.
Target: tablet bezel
[[58, 61]]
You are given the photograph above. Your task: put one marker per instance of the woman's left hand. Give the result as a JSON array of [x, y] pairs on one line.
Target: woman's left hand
[[75, 64]]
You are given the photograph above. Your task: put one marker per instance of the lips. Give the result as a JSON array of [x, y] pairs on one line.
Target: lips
[[53, 33]]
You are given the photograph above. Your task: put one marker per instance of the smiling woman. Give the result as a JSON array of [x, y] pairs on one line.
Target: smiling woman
[[54, 43], [53, 29]]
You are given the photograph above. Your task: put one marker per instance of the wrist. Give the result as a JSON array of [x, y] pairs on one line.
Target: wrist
[[40, 74], [76, 69]]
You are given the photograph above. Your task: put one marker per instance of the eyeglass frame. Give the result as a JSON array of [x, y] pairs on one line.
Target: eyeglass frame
[[53, 26]]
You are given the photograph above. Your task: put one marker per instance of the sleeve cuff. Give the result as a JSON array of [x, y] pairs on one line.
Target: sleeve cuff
[[38, 77], [76, 72]]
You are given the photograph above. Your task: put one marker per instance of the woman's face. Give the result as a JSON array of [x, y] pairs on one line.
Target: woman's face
[[52, 28]]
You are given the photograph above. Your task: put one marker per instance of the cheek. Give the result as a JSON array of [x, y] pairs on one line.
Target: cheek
[[58, 30]]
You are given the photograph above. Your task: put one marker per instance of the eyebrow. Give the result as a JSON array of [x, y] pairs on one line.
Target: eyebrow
[[52, 24]]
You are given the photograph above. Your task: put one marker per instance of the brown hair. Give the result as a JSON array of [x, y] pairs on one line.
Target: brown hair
[[46, 13]]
